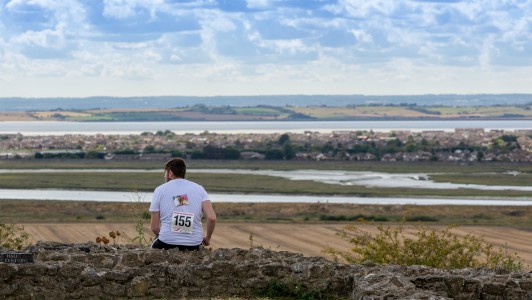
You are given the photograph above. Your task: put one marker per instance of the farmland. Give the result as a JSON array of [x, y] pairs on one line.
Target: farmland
[[270, 113]]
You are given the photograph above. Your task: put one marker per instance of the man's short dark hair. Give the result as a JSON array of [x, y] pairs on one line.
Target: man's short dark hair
[[177, 166]]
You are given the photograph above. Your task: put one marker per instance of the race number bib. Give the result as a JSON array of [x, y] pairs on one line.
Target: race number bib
[[182, 222]]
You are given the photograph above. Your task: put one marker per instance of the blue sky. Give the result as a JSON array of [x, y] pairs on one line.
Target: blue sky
[[67, 48]]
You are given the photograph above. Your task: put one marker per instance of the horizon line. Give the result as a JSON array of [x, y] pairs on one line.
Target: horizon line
[[271, 95]]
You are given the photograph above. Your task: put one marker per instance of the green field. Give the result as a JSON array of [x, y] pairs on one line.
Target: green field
[[259, 111], [487, 174], [388, 167], [358, 112], [38, 211], [413, 112], [524, 179], [73, 211], [233, 183]]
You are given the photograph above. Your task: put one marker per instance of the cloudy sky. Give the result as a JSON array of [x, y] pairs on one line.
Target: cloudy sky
[[79, 48]]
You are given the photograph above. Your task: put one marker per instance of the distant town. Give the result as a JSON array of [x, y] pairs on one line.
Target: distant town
[[462, 145]]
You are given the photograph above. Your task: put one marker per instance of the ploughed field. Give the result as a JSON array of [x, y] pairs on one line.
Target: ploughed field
[[297, 227], [307, 238]]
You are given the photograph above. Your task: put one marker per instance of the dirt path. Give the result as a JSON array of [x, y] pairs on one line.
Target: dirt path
[[309, 239]]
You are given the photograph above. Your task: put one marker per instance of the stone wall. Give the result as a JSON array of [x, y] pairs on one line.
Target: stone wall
[[90, 271]]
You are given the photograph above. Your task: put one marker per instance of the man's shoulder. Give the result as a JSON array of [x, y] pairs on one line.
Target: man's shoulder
[[162, 187], [178, 183], [192, 183]]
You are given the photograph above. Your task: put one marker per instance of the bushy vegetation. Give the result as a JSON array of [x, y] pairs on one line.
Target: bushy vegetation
[[506, 143], [13, 236], [224, 109], [214, 152], [427, 111], [429, 247], [70, 155], [343, 218]]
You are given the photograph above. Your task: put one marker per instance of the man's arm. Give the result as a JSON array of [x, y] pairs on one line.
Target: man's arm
[[208, 211], [156, 222]]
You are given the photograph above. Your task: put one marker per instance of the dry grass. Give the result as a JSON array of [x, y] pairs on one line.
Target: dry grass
[[38, 211], [15, 116], [359, 111]]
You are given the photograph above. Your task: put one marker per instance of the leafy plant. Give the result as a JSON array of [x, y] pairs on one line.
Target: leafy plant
[[13, 236], [430, 247], [139, 215]]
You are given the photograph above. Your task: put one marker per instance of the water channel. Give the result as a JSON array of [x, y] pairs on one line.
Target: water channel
[[63, 127], [127, 196], [362, 178], [375, 179]]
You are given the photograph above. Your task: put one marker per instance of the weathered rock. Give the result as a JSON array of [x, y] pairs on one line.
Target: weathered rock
[[89, 271], [7, 271]]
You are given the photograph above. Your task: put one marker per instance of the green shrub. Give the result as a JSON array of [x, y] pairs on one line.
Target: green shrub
[[421, 219], [13, 236], [353, 218], [482, 216], [430, 247]]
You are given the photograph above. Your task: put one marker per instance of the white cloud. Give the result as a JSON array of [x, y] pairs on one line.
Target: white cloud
[[127, 71], [151, 55], [486, 52], [14, 4], [362, 36], [215, 21], [287, 46], [119, 9], [258, 3], [123, 9], [46, 39], [85, 56], [130, 46], [8, 68], [91, 70], [108, 63], [175, 58], [17, 66], [296, 46], [363, 8], [47, 69]]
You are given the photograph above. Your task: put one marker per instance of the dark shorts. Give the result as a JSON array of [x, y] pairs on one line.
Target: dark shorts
[[158, 244]]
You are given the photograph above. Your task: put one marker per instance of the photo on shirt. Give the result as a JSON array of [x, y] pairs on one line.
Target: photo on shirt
[[180, 200]]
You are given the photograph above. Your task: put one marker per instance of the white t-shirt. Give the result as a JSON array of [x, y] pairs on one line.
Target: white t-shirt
[[179, 202]]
